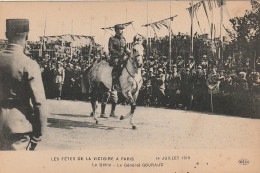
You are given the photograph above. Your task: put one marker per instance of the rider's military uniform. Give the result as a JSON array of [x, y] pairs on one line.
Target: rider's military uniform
[[118, 53], [117, 48]]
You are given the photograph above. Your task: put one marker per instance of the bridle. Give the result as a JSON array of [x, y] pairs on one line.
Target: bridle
[[134, 62]]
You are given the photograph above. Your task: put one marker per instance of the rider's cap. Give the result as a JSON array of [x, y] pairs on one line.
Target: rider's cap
[[199, 67], [204, 56], [17, 25], [160, 70], [151, 70], [191, 57], [119, 26]]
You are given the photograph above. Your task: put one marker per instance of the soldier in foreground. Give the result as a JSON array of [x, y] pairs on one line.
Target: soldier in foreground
[[22, 98]]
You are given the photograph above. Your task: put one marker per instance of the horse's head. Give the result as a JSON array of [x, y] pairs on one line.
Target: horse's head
[[137, 54]]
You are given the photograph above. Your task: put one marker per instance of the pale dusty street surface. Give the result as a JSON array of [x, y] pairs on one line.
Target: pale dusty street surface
[[71, 128]]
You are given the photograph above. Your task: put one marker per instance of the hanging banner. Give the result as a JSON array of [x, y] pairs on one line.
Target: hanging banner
[[209, 5], [156, 26], [195, 10], [205, 9], [112, 27]]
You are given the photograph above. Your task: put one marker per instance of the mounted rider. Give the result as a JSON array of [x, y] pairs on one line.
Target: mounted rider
[[118, 54]]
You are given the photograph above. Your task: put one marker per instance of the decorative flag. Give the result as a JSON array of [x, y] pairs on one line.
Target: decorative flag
[[228, 31], [195, 10], [205, 9], [154, 30], [156, 26], [209, 4]]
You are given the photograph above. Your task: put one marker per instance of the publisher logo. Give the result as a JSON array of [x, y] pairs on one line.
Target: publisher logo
[[243, 162]]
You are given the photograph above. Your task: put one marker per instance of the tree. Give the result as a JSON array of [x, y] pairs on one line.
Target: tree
[[246, 33]]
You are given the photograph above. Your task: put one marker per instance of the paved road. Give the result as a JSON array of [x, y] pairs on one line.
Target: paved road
[[70, 127]]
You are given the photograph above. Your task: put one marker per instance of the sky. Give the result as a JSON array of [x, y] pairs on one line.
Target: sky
[[87, 18]]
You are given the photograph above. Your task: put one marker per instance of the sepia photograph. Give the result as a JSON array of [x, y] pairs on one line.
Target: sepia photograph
[[130, 86]]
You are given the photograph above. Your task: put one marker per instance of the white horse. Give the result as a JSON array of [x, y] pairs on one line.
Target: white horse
[[100, 80]]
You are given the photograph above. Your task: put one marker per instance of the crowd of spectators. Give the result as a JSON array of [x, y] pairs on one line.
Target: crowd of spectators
[[233, 89], [230, 88]]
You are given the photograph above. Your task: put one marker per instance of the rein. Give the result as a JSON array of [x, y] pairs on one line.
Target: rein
[[132, 77]]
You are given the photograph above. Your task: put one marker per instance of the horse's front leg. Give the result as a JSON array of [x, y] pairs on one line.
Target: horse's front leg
[[132, 101]]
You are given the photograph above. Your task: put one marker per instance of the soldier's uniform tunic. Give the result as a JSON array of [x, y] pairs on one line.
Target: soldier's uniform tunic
[[117, 49], [22, 99]]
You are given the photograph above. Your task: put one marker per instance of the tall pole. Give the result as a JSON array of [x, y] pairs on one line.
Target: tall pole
[[62, 26], [126, 18], [71, 40], [105, 32], [150, 43], [44, 27], [147, 44], [220, 32], [72, 27], [91, 26], [191, 32], [170, 38]]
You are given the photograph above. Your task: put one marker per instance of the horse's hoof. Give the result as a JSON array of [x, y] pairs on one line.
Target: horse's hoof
[[92, 114], [96, 121], [134, 127], [113, 116], [122, 117], [103, 116]]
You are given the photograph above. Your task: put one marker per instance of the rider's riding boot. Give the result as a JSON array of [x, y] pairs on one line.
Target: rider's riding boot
[[116, 73], [115, 83]]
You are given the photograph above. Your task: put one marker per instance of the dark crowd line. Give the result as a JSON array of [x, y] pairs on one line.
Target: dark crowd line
[[233, 89]]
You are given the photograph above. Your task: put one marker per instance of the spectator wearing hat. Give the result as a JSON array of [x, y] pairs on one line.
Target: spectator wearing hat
[[213, 83], [191, 63], [204, 62], [180, 62], [160, 85], [174, 88], [22, 98], [186, 88], [59, 77], [199, 90]]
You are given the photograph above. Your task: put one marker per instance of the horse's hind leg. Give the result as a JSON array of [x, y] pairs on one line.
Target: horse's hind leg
[[94, 97], [104, 103], [114, 102]]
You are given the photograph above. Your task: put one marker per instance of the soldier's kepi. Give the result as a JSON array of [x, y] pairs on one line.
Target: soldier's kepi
[[20, 87], [118, 53]]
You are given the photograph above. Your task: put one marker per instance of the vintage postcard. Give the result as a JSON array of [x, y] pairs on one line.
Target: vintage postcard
[[130, 86]]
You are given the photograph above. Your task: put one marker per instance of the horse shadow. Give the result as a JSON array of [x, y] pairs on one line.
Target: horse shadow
[[72, 115], [71, 124]]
